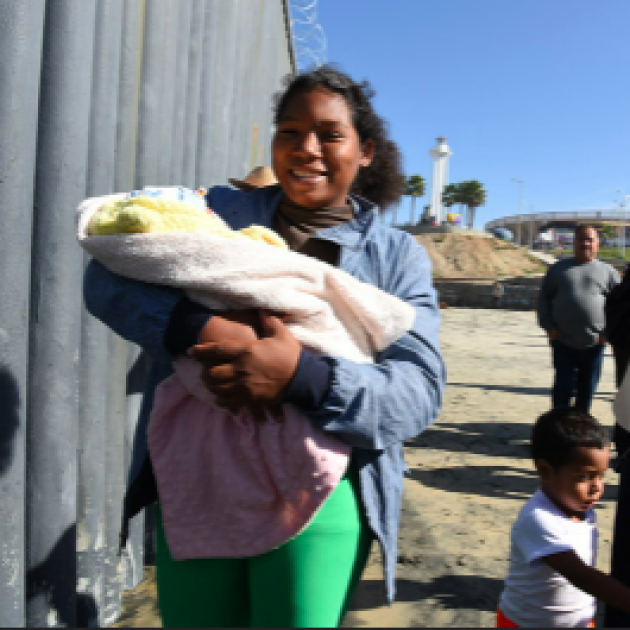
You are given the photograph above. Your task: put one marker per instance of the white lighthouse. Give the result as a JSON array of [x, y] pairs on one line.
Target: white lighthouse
[[440, 154]]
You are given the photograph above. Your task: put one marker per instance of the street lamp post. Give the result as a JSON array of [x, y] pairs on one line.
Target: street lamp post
[[622, 205], [623, 229], [520, 208]]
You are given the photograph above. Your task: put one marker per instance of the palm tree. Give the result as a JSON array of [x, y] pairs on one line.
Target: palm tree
[[414, 187], [473, 194], [450, 195]]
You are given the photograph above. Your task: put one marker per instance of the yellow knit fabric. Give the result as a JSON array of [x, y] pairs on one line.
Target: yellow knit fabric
[[145, 214]]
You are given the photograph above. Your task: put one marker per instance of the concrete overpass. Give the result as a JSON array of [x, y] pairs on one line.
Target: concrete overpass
[[525, 227]]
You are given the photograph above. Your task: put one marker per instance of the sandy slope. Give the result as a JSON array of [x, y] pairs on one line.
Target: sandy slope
[[471, 256]]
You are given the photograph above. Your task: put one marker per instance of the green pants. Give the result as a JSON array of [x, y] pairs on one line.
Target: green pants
[[307, 582]]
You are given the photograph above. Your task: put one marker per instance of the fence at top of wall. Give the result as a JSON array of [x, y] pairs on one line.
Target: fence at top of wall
[[99, 96]]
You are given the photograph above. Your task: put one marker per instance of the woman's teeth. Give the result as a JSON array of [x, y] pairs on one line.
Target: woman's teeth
[[303, 175]]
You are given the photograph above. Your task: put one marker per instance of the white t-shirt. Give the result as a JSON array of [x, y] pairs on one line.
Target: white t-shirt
[[534, 594]]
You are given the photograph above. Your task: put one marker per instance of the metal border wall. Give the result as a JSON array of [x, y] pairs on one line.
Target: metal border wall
[[99, 96]]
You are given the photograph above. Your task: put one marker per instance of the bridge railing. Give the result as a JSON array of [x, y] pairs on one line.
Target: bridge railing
[[571, 215]]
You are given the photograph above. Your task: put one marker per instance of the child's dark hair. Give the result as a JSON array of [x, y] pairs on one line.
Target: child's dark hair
[[557, 432], [381, 182]]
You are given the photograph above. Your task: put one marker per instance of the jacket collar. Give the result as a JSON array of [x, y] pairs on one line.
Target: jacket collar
[[259, 206], [353, 234]]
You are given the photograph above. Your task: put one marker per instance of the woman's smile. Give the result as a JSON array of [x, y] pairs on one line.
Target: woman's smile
[[307, 177]]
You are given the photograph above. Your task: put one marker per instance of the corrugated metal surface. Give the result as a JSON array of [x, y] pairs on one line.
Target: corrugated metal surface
[[99, 96]]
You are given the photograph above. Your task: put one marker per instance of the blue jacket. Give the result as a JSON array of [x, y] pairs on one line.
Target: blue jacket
[[373, 407]]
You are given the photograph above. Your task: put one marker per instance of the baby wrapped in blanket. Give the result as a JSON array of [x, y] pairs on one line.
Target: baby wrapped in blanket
[[229, 485]]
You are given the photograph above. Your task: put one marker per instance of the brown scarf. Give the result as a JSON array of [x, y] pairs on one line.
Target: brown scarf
[[297, 226]]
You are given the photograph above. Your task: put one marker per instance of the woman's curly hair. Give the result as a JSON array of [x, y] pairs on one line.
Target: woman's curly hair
[[382, 181]]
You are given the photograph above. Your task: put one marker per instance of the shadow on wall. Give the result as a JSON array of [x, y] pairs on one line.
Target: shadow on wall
[[58, 586], [10, 404], [47, 579], [137, 375]]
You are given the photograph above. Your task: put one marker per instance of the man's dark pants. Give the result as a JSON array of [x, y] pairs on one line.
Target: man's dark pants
[[577, 371]]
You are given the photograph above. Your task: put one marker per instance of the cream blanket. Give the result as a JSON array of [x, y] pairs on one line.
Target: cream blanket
[[230, 486], [330, 312]]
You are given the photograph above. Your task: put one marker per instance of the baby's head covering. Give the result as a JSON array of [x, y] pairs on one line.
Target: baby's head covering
[[173, 193]]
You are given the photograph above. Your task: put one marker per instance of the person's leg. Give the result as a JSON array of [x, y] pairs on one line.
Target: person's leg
[[210, 593], [308, 581], [620, 558], [564, 374], [588, 372], [622, 357], [621, 438]]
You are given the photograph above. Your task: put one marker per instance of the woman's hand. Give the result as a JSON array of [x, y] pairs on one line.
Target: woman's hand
[[232, 325], [250, 372]]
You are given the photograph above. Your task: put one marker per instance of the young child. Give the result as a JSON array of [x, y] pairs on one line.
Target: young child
[[552, 581]]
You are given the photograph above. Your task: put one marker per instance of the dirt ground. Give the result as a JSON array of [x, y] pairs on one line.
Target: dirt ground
[[469, 475], [472, 256]]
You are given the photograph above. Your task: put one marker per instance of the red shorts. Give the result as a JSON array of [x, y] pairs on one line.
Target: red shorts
[[504, 622]]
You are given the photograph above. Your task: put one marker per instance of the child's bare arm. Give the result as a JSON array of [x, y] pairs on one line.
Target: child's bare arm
[[589, 579]]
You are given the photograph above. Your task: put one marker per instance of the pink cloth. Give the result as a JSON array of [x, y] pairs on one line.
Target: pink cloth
[[231, 486]]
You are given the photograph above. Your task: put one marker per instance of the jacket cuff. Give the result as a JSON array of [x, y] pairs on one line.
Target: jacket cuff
[[310, 383], [185, 325]]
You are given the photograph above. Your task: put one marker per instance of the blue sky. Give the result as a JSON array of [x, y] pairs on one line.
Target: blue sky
[[537, 90]]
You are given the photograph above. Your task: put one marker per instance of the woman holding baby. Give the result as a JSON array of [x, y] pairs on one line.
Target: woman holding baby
[[331, 154]]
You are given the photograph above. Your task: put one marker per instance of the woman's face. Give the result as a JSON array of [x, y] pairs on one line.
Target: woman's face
[[316, 149]]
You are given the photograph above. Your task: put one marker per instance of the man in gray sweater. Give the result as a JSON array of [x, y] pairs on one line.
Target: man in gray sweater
[[571, 311]]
